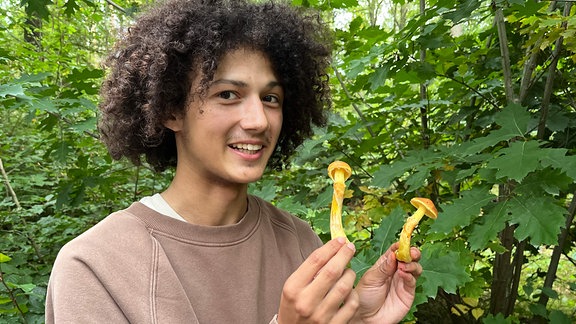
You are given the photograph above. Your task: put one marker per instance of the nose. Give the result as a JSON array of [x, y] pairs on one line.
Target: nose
[[254, 117]]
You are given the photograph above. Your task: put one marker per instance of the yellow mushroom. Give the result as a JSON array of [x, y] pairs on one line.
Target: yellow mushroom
[[425, 207], [339, 172]]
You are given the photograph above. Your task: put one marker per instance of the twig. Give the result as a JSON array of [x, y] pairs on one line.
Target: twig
[[505, 54], [550, 80], [117, 6], [8, 186], [19, 207], [357, 109], [11, 296], [471, 88]]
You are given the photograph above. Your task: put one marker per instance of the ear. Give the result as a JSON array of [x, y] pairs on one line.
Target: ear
[[174, 124]]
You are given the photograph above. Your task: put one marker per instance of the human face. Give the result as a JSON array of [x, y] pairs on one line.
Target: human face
[[228, 135]]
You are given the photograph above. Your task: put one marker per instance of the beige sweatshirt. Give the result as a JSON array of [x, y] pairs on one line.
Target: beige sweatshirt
[[138, 266]]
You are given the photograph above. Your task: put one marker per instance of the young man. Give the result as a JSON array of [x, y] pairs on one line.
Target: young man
[[219, 90]]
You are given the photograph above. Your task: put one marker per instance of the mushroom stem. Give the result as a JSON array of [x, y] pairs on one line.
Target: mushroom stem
[[336, 228], [425, 207], [338, 172], [403, 252]]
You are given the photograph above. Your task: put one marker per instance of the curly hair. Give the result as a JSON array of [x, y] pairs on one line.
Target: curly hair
[[152, 67]]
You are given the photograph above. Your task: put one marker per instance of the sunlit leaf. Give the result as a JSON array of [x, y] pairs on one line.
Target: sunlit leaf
[[4, 258]]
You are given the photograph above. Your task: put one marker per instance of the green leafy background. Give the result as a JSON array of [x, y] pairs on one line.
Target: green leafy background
[[469, 103]]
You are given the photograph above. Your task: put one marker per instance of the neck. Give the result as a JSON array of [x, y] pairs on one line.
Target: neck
[[207, 204]]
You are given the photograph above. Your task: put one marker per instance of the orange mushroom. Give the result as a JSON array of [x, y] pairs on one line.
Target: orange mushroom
[[425, 207], [339, 172]]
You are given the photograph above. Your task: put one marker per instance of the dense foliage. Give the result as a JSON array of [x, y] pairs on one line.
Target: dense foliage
[[467, 102]]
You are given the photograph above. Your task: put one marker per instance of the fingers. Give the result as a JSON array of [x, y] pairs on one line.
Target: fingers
[[350, 307], [340, 303], [318, 259], [387, 266], [321, 289], [327, 269], [341, 289], [332, 270], [413, 269], [415, 254]]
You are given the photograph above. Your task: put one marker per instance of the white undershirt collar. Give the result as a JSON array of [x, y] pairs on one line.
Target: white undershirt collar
[[157, 203]]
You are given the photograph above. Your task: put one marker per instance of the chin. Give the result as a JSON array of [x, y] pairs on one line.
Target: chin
[[252, 179]]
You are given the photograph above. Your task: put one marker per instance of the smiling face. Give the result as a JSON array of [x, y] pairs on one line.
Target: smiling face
[[228, 135]]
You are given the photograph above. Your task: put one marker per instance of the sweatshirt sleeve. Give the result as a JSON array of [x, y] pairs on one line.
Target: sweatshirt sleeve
[[104, 275], [76, 295]]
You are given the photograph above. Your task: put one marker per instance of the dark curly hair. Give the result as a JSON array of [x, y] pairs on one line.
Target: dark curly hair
[[152, 68]]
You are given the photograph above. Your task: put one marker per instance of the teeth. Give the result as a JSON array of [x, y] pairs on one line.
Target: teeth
[[249, 147]]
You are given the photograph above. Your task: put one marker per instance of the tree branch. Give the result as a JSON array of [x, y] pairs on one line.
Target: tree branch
[[9, 187], [551, 75], [361, 115], [356, 108], [117, 6], [504, 52]]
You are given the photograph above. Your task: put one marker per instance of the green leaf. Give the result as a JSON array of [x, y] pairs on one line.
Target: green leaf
[[14, 90], [85, 125], [265, 190], [384, 176], [378, 78], [538, 309], [323, 199], [558, 317], [441, 268], [462, 11], [498, 319], [527, 8], [462, 211], [517, 160], [544, 182], [5, 300], [38, 8], [27, 288], [387, 232], [491, 223], [550, 292], [417, 179], [71, 7], [291, 205], [538, 217], [384, 236], [362, 262], [4, 258], [557, 158], [513, 120]]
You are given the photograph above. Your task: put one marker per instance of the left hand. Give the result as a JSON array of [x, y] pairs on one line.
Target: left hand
[[387, 289]]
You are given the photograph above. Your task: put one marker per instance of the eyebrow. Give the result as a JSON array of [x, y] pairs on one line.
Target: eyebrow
[[243, 84]]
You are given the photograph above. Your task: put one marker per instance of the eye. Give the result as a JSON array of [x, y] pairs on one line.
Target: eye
[[229, 95], [271, 99]]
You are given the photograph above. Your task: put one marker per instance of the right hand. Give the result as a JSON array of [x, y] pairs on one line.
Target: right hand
[[321, 289]]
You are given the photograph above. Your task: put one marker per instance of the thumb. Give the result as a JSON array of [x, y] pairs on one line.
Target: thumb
[[382, 271]]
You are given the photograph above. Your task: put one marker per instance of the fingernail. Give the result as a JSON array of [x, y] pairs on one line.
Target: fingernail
[[341, 240], [351, 246]]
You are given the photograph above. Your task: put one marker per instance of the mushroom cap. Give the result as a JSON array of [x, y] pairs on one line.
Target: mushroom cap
[[339, 165], [427, 204]]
